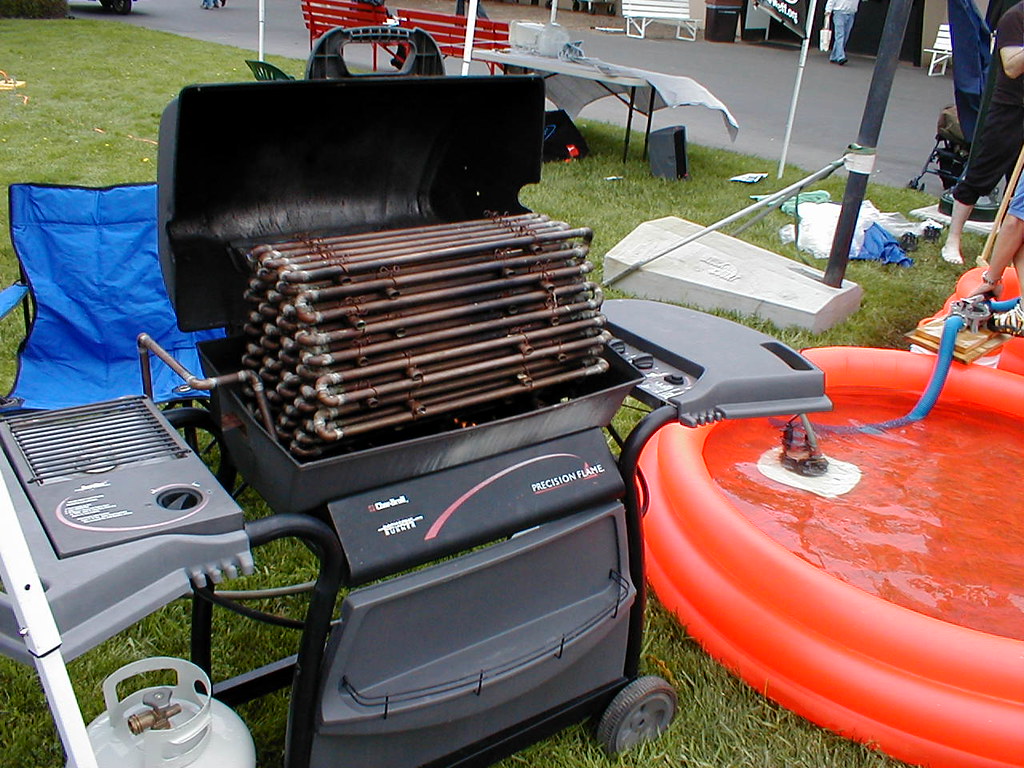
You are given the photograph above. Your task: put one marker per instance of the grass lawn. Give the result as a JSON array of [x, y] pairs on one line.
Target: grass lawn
[[89, 116]]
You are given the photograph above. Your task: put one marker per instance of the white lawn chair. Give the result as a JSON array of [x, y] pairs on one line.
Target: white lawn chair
[[941, 51]]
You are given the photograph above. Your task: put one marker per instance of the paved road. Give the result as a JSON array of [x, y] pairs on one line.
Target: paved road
[[755, 81]]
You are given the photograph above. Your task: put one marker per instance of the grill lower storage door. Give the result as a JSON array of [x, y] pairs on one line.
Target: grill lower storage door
[[427, 663]]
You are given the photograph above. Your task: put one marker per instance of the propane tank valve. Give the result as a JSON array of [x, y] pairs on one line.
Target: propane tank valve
[[158, 718]]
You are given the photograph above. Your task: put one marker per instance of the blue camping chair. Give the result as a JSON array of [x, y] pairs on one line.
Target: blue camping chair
[[89, 261]]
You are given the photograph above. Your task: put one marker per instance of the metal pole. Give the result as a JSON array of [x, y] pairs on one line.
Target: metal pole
[[467, 48], [796, 87], [39, 630], [776, 198], [860, 157], [262, 25]]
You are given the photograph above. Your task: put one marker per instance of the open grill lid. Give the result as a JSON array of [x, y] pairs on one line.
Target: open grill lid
[[252, 162]]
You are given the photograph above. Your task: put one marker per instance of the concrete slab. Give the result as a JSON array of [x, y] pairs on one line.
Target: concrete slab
[[722, 272]]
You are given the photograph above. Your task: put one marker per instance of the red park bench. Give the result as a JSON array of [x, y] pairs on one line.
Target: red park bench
[[324, 15], [448, 30]]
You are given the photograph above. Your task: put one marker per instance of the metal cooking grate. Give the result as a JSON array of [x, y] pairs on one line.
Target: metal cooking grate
[[92, 439]]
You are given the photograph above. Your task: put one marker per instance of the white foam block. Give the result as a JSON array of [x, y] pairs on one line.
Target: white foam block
[[841, 477], [722, 272]]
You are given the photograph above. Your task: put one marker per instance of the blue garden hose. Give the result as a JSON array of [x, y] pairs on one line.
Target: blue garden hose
[[944, 359]]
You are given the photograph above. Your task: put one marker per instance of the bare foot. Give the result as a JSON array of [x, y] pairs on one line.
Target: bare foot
[[951, 253]]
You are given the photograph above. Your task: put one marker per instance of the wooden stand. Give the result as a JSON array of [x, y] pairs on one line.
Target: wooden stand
[[970, 345]]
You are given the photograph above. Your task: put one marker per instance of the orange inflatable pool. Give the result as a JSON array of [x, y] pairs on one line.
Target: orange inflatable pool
[[924, 690]]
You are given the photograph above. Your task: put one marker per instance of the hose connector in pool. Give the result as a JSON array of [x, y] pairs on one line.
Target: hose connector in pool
[[974, 311], [800, 452]]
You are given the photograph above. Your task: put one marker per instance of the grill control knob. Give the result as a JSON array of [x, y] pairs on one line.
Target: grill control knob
[[643, 362]]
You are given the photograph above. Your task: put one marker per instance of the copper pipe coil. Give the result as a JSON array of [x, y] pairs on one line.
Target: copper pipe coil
[[512, 223], [312, 338], [424, 377], [511, 220], [439, 293], [343, 265], [325, 382], [392, 284], [340, 376], [352, 333], [357, 352], [357, 259], [278, 345], [419, 410], [272, 264], [546, 281], [522, 371]]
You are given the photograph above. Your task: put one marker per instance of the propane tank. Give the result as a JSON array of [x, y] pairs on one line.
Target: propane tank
[[168, 726]]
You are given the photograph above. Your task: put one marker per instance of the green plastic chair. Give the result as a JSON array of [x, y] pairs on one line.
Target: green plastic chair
[[263, 70]]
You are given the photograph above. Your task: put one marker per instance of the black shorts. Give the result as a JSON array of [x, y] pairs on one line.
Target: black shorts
[[996, 154]]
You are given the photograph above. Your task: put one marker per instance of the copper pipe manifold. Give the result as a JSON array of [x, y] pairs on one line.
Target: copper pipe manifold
[[351, 336]]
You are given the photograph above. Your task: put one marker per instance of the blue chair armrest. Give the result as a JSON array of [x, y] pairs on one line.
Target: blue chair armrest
[[10, 297]]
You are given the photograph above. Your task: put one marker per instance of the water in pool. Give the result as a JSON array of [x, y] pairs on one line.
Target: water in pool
[[935, 524]]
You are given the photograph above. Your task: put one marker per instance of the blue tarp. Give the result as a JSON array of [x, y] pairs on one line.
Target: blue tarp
[[90, 258], [880, 245]]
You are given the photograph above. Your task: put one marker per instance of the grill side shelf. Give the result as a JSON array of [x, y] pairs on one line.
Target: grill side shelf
[[710, 368], [58, 445]]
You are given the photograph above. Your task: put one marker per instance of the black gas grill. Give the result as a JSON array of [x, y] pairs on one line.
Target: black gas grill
[[434, 363], [425, 365]]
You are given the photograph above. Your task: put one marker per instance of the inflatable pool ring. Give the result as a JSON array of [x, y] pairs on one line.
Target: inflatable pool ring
[[921, 689]]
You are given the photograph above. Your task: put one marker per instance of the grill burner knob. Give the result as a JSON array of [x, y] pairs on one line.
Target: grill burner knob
[[179, 499], [643, 362]]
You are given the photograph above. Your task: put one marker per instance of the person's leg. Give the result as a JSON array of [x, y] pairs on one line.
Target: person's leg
[[958, 218], [1011, 237], [841, 24], [1009, 249], [993, 157]]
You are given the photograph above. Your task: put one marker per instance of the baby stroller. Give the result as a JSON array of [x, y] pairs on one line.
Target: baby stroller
[[950, 153]]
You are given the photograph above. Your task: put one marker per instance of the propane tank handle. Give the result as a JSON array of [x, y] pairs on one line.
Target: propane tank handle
[[174, 747]]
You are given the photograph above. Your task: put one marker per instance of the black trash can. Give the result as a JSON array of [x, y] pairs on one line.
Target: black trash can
[[720, 23]]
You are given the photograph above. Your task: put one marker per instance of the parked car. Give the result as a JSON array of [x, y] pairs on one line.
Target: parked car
[[122, 7]]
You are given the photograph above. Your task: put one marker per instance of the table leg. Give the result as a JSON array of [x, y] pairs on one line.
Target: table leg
[[650, 114], [629, 122]]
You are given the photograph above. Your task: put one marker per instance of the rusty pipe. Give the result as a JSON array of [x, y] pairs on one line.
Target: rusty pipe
[[310, 338], [505, 284], [262, 253], [346, 266], [419, 410], [330, 388], [322, 356], [146, 345], [425, 378], [501, 265]]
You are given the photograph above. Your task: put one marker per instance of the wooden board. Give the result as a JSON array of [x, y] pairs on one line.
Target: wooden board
[[970, 345]]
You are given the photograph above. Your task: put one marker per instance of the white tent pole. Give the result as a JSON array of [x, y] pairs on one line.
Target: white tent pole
[[39, 630], [554, 10], [263, 23], [467, 50], [796, 87]]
